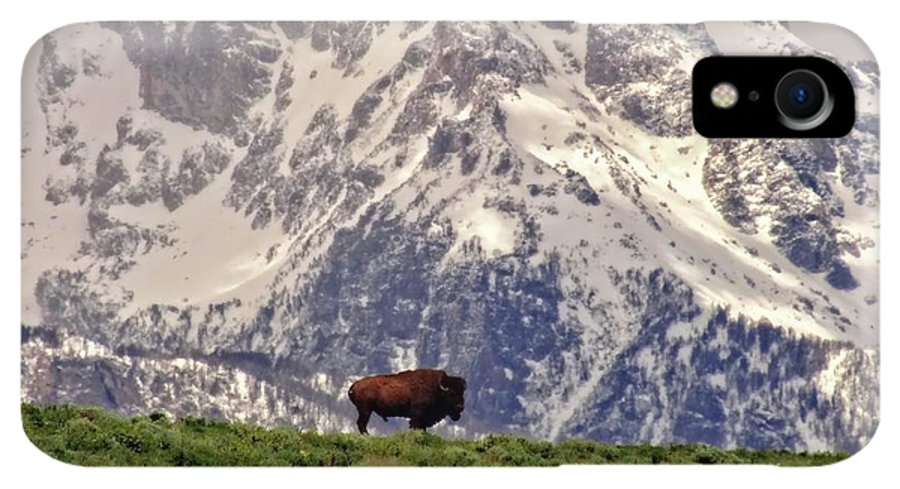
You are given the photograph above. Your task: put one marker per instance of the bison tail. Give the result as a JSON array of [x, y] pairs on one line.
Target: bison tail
[[352, 395]]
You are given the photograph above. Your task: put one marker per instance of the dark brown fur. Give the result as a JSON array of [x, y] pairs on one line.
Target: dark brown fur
[[424, 396]]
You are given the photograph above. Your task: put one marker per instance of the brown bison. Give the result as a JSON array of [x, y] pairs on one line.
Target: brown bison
[[424, 396]]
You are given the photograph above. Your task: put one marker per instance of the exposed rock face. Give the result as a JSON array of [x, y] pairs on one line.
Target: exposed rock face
[[268, 211], [203, 74], [651, 87]]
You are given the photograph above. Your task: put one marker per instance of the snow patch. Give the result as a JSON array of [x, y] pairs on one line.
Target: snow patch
[[496, 232], [834, 373]]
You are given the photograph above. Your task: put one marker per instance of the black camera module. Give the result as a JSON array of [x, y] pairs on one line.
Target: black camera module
[[771, 96], [802, 100]]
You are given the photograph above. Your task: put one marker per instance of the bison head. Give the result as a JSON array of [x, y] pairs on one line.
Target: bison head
[[452, 395]]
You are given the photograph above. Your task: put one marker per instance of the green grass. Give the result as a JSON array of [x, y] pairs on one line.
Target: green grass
[[92, 436]]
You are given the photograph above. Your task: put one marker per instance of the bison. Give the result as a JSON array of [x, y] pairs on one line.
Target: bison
[[424, 396]]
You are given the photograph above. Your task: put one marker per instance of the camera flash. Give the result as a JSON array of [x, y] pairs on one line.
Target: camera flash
[[724, 95]]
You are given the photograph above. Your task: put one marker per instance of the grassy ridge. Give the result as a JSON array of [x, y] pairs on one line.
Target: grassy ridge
[[91, 436]]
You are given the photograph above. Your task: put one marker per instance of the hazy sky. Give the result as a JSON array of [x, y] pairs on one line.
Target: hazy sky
[[834, 39], [732, 38]]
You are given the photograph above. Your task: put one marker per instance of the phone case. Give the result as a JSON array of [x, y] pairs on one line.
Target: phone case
[[230, 224]]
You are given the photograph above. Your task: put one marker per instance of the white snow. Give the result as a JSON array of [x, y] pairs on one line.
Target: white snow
[[834, 373], [52, 234], [404, 356], [329, 84], [703, 240], [216, 254], [717, 380], [495, 232]]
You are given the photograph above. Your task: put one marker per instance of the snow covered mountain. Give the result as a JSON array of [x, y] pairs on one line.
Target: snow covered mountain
[[240, 219]]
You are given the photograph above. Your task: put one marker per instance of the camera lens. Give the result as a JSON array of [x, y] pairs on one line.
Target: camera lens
[[802, 99]]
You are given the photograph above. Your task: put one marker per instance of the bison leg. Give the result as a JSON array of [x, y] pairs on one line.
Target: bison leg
[[417, 420], [363, 421]]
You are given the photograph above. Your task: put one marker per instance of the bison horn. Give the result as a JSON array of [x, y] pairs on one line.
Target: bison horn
[[441, 385]]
